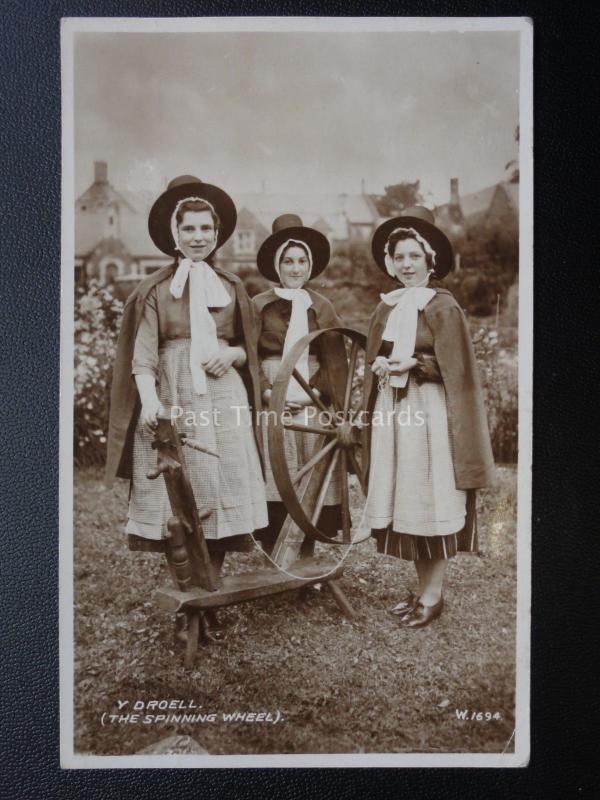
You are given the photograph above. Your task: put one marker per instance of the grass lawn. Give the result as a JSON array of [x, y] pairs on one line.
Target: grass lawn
[[341, 686]]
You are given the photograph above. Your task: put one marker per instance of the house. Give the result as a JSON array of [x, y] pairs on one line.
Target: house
[[503, 210], [492, 206], [112, 243], [340, 217]]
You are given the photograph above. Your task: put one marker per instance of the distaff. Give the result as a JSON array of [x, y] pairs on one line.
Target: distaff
[[422, 476], [291, 256]]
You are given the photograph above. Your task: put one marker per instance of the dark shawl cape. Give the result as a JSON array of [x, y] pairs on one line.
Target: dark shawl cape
[[473, 459], [124, 398], [333, 370]]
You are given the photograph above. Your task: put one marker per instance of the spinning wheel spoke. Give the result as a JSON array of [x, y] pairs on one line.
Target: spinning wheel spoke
[[358, 470], [313, 461], [351, 370], [304, 490], [324, 487], [346, 519], [310, 391], [295, 426]]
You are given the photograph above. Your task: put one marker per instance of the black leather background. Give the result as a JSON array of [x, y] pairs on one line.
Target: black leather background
[[566, 372]]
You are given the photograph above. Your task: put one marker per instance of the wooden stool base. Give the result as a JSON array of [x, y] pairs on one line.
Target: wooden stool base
[[244, 587]]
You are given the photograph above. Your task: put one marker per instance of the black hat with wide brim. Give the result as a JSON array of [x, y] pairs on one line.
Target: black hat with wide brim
[[419, 219], [289, 226], [159, 219]]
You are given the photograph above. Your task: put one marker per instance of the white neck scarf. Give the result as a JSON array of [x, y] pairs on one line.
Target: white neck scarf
[[206, 291], [301, 301], [401, 326]]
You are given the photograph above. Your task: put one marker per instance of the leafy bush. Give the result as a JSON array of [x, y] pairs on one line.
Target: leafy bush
[[498, 369], [97, 316], [489, 266]]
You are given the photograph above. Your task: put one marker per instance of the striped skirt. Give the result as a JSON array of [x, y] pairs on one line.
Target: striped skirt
[[413, 508], [231, 485]]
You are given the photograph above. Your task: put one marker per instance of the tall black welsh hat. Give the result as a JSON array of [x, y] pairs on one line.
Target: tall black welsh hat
[[180, 188], [421, 220], [290, 226]]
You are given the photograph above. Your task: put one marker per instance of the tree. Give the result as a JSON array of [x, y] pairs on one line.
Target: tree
[[398, 197]]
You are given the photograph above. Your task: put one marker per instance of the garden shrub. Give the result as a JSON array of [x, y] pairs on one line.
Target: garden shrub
[[498, 370], [97, 318]]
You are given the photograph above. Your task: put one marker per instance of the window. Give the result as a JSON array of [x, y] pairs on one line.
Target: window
[[109, 269], [245, 243], [111, 272]]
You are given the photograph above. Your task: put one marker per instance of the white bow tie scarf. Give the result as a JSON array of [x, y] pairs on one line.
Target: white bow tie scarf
[[401, 326], [206, 291], [298, 327]]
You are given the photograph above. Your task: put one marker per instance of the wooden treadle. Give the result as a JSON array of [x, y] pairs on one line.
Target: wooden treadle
[[249, 585]]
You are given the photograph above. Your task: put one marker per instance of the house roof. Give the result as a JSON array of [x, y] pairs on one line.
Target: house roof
[[246, 219], [477, 203], [322, 225], [134, 234], [90, 228], [473, 205], [512, 191], [335, 210], [103, 192]]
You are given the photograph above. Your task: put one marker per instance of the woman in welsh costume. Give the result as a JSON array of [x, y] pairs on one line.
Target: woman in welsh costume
[[429, 445], [187, 348], [291, 256]]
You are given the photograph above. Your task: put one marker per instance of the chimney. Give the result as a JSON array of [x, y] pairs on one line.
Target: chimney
[[100, 172], [455, 212], [454, 201], [362, 186]]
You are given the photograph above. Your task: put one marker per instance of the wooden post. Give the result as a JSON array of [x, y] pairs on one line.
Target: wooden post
[[341, 599], [177, 554], [186, 537]]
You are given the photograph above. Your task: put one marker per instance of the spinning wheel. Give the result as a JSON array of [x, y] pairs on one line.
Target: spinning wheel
[[336, 423], [196, 590]]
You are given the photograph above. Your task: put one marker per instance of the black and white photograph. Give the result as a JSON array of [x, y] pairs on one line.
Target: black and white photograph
[[296, 378]]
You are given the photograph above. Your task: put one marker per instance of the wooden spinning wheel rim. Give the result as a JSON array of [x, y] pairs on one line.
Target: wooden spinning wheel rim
[[339, 440]]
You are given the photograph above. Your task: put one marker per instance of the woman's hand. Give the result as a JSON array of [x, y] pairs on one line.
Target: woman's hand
[[294, 406], [380, 366], [266, 396], [224, 359], [151, 405], [151, 409]]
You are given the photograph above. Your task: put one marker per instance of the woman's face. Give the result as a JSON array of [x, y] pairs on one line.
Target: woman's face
[[410, 263], [294, 268], [197, 234]]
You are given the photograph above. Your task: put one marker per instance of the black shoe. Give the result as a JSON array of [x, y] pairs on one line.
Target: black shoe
[[423, 615], [405, 606]]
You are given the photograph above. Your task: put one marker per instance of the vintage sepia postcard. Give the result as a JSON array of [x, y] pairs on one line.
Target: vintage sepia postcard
[[296, 392]]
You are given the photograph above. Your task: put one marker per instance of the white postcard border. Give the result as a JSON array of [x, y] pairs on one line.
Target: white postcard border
[[69, 27]]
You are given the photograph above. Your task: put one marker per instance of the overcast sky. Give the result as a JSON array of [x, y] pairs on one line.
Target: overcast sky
[[302, 112]]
